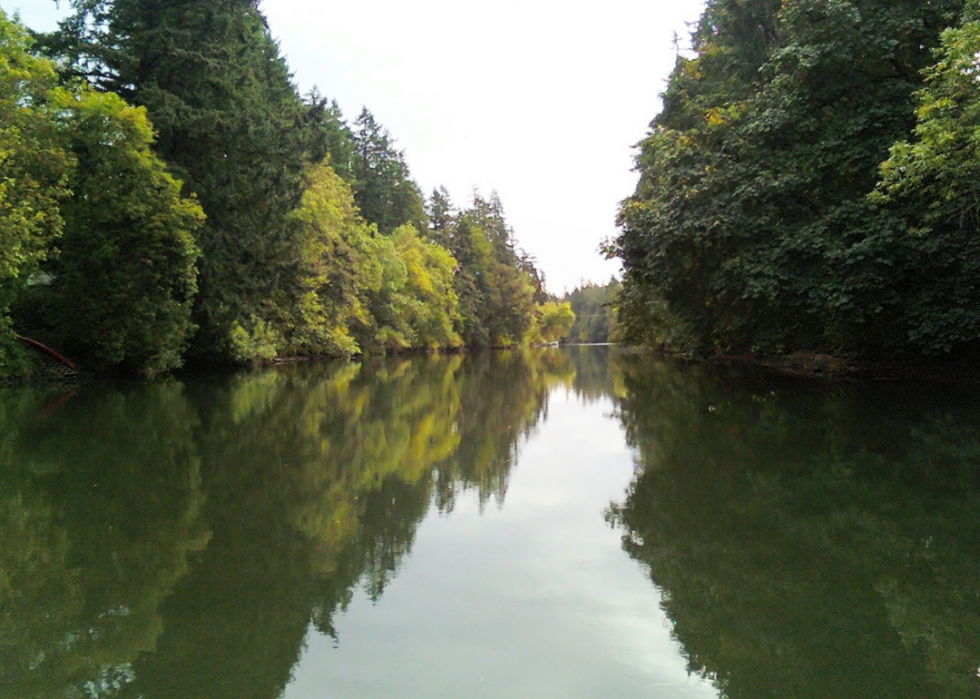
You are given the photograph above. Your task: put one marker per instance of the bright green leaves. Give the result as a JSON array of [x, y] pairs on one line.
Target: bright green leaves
[[82, 194], [931, 181], [362, 291], [938, 171], [125, 278], [33, 168], [552, 322]]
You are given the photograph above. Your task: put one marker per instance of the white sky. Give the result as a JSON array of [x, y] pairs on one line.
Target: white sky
[[540, 101]]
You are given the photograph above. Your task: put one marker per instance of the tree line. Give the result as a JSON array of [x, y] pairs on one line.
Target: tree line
[[811, 183], [594, 307], [166, 195]]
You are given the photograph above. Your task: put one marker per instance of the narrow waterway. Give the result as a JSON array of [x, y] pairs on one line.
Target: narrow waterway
[[571, 523]]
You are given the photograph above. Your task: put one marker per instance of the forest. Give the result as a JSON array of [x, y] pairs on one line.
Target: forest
[[594, 307], [168, 196], [811, 184]]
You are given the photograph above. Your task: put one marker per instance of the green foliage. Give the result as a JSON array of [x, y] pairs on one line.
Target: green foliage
[[594, 309], [383, 188], [553, 320], [932, 182], [230, 124], [363, 291], [33, 170], [751, 227], [125, 276]]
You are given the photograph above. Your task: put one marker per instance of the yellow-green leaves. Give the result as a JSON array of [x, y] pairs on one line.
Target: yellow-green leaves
[[33, 167]]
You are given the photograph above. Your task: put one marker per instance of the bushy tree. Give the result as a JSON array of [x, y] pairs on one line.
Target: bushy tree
[[750, 228], [933, 182], [33, 169], [124, 279], [552, 322]]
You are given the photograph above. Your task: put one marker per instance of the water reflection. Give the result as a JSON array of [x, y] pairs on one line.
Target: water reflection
[[100, 507], [173, 540], [809, 540], [185, 539]]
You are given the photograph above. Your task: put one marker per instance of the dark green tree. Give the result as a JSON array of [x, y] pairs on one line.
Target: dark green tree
[[327, 135], [230, 123], [383, 188], [750, 228]]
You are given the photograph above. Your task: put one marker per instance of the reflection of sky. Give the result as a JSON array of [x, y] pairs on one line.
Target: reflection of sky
[[534, 599]]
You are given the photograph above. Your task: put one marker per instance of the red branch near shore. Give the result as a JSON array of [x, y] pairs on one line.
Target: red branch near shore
[[47, 350]]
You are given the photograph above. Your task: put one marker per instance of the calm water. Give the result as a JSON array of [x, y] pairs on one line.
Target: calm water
[[559, 523]]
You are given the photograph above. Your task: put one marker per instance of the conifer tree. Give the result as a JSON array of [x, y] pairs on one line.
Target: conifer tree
[[383, 188], [229, 122]]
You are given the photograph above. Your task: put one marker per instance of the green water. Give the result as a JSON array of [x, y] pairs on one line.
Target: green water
[[557, 523]]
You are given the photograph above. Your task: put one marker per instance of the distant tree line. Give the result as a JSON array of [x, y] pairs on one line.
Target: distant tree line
[[594, 309], [812, 183], [166, 194]]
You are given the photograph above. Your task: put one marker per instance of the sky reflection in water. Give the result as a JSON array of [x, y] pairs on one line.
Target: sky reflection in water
[[557, 523]]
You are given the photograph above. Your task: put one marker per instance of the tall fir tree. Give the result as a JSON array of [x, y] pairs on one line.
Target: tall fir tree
[[383, 188], [230, 124]]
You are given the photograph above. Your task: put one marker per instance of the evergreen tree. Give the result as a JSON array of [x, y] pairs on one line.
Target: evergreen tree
[[327, 135], [441, 216], [383, 188], [229, 122]]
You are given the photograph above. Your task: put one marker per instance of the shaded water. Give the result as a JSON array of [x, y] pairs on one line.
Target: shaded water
[[574, 523]]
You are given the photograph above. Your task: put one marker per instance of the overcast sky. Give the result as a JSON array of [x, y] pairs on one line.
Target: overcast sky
[[540, 101]]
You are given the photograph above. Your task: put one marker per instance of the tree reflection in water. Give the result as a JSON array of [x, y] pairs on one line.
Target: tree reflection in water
[[181, 539], [172, 540], [810, 540]]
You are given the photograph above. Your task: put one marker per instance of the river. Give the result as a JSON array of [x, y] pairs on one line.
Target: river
[[571, 523]]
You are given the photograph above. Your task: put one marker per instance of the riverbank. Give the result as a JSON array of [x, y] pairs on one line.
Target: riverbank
[[963, 368]]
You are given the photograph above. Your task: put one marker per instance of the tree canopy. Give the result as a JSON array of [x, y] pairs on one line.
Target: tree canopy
[[754, 226], [165, 194]]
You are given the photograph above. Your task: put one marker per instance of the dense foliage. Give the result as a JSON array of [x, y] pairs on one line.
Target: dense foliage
[[33, 170], [594, 309], [764, 220], [165, 192]]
